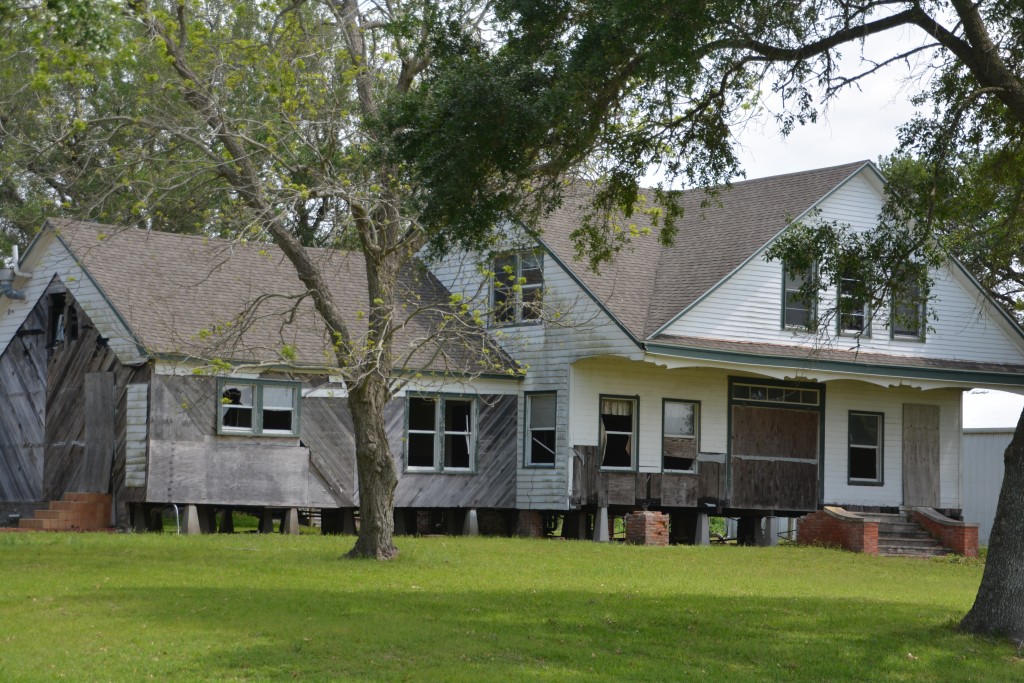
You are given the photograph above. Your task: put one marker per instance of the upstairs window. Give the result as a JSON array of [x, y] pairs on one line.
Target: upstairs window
[[540, 430], [440, 434], [517, 288], [908, 314], [853, 310], [618, 432], [679, 436], [799, 309], [865, 448], [258, 407]]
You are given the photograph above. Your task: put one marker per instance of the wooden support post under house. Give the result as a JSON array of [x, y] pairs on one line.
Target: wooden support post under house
[[227, 522], [267, 521]]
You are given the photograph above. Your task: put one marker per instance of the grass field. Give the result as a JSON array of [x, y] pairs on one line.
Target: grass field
[[98, 607]]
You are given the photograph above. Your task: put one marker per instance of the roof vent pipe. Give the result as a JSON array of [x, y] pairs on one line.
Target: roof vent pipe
[[7, 279]]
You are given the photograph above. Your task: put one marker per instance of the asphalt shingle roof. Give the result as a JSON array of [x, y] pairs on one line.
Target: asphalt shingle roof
[[647, 284], [169, 288]]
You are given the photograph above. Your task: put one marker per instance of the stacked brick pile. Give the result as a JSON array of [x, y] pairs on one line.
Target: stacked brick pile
[[647, 528]]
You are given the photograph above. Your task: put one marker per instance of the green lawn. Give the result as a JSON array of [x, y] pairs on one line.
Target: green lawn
[[249, 607]]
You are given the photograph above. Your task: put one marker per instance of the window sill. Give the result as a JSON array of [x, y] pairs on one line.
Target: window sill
[[522, 323], [908, 338], [679, 471], [539, 466], [631, 468], [240, 432], [864, 482]]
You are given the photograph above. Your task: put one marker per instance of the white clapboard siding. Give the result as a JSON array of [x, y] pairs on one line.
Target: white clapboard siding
[[137, 400], [843, 396], [651, 385], [983, 476], [49, 258], [747, 306], [548, 350]]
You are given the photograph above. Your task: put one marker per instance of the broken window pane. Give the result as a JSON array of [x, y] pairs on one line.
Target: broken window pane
[[237, 406], [541, 429], [617, 432]]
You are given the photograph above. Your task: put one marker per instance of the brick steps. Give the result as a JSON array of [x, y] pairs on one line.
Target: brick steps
[[77, 511], [900, 536]]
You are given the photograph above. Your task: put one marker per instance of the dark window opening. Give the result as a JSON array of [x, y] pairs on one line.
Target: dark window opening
[[617, 430], [853, 310], [679, 436], [55, 330], [422, 430], [517, 288], [799, 305], [457, 434], [865, 447], [439, 433], [258, 408], [540, 416]]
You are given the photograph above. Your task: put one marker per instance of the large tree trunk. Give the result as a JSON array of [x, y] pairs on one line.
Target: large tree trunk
[[999, 607], [376, 469]]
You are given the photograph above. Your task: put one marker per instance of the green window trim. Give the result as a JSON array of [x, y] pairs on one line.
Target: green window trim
[[258, 407], [790, 309], [618, 435], [858, 433], [859, 310], [447, 443], [666, 422], [540, 441], [901, 335]]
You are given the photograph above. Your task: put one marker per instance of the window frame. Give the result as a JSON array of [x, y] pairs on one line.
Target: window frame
[[635, 441], [865, 312], [695, 437], [922, 311], [257, 428], [515, 289], [528, 429], [441, 401], [812, 305], [879, 480]]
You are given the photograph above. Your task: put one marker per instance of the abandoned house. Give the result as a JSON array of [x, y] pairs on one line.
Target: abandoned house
[[682, 380]]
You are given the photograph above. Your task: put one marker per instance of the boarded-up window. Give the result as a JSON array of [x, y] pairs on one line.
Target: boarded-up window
[[540, 429], [679, 435], [774, 432], [865, 439], [618, 428]]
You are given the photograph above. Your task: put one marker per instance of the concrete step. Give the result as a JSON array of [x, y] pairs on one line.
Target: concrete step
[[912, 552], [909, 542], [903, 532]]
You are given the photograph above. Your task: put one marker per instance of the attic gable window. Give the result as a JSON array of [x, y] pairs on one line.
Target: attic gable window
[[908, 315], [258, 407], [517, 287], [798, 310], [854, 315]]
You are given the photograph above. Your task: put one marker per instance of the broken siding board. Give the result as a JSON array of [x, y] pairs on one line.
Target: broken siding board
[[184, 408], [326, 429], [680, 490], [136, 435], [99, 433]]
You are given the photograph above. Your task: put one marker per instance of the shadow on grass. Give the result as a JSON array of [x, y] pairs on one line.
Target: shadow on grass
[[423, 634]]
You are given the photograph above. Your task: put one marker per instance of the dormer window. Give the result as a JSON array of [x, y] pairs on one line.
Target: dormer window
[[854, 314], [908, 314], [799, 309], [517, 288]]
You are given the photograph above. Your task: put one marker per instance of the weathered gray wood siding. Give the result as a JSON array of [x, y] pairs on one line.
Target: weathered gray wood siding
[[583, 330], [492, 485], [66, 401], [22, 409], [189, 463]]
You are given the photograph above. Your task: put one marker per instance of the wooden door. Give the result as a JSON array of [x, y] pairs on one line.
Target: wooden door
[[920, 455]]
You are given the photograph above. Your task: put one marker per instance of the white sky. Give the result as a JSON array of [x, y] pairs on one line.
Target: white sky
[[861, 124]]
